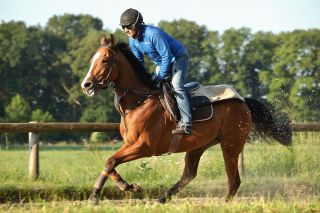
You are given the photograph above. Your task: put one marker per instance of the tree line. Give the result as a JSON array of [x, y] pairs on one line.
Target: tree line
[[41, 68]]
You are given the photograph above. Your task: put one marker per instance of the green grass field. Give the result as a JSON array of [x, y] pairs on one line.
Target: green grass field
[[275, 178]]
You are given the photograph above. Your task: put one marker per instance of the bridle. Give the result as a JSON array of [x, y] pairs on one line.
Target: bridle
[[105, 82]]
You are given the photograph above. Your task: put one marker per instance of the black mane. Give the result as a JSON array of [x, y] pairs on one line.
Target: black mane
[[139, 68]]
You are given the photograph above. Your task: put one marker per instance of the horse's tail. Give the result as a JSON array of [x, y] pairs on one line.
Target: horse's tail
[[269, 122]]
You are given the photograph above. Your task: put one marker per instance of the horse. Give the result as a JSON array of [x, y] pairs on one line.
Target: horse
[[146, 126]]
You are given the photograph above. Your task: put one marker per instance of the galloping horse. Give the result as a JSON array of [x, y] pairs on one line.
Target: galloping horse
[[146, 126]]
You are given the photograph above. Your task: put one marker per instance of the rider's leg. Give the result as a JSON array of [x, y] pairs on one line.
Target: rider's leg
[[179, 72]]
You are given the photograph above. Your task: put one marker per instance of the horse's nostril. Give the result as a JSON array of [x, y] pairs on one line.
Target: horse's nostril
[[105, 82], [88, 85]]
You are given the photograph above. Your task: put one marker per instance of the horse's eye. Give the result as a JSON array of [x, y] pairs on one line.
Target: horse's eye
[[105, 61]]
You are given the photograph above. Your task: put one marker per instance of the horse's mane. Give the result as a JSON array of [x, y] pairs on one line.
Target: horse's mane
[[139, 68]]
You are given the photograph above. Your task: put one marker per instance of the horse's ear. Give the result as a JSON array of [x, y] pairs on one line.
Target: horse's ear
[[103, 41], [112, 39]]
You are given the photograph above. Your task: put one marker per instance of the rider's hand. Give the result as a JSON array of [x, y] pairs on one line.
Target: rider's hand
[[156, 80]]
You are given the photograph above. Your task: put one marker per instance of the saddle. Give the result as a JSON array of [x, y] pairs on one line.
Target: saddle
[[200, 105]]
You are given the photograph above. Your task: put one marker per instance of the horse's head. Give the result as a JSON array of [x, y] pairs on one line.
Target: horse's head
[[103, 68]]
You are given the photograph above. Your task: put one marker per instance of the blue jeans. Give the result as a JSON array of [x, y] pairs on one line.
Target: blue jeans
[[179, 72]]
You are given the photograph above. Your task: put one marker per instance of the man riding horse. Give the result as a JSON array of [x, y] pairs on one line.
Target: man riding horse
[[170, 56], [145, 124]]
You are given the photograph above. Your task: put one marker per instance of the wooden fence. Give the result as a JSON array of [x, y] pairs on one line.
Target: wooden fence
[[34, 129]]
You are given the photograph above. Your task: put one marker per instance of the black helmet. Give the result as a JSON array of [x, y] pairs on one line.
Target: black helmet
[[131, 17]]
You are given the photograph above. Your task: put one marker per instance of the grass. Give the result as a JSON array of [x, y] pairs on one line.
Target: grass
[[179, 205], [68, 173]]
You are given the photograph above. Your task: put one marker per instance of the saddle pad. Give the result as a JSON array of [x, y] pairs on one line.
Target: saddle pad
[[196, 101], [217, 92], [202, 113]]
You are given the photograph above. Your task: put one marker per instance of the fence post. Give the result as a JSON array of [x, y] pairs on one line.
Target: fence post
[[33, 155], [241, 164], [7, 141]]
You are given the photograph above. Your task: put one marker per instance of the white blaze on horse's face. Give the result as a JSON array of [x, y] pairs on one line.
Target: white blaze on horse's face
[[87, 84]]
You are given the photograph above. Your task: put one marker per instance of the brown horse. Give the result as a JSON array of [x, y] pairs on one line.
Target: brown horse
[[146, 126]]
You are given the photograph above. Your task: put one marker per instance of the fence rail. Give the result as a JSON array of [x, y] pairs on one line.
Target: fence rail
[[101, 127], [57, 127], [306, 127]]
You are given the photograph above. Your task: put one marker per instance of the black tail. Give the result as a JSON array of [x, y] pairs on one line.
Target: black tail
[[269, 122]]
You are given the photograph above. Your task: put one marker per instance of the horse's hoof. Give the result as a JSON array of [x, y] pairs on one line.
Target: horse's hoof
[[136, 188], [162, 200], [93, 200], [228, 199]]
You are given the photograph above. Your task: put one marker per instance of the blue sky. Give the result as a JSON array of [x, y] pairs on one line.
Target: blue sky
[[265, 15]]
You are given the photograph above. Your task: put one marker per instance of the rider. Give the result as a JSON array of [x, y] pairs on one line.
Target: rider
[[165, 51]]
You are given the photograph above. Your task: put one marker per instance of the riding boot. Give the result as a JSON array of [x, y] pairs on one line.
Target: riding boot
[[182, 129]]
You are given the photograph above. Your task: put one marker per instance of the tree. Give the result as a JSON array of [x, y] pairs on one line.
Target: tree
[[295, 83], [230, 54], [256, 59], [18, 110], [40, 116], [209, 70], [13, 41], [72, 27]]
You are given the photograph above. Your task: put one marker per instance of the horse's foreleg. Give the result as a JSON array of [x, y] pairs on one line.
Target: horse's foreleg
[[124, 154], [100, 182], [93, 199], [190, 171], [129, 153], [117, 179], [122, 184]]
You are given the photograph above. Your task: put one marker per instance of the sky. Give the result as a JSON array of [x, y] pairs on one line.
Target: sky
[[216, 15]]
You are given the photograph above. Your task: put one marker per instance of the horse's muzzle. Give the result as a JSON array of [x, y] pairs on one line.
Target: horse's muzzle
[[88, 92], [88, 88]]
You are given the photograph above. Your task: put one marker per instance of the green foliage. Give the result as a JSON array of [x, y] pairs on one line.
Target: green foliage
[[295, 82], [40, 116], [18, 110], [256, 59], [98, 137], [233, 44]]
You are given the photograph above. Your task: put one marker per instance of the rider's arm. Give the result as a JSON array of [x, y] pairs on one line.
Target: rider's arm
[[162, 46], [136, 52]]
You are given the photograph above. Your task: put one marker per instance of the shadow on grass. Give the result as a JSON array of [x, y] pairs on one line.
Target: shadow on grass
[[25, 195]]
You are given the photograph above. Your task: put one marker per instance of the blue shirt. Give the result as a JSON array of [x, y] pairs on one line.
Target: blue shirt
[[159, 46]]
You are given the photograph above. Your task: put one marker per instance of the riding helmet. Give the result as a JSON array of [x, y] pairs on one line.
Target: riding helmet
[[131, 17]]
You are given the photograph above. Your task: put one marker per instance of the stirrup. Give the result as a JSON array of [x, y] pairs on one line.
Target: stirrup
[[182, 130]]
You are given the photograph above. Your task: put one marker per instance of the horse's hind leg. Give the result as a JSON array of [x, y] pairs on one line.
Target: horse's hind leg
[[231, 148], [192, 159]]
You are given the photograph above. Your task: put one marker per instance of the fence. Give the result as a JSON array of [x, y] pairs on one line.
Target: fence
[[34, 129]]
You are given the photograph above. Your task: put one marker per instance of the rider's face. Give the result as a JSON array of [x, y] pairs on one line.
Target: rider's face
[[130, 31]]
